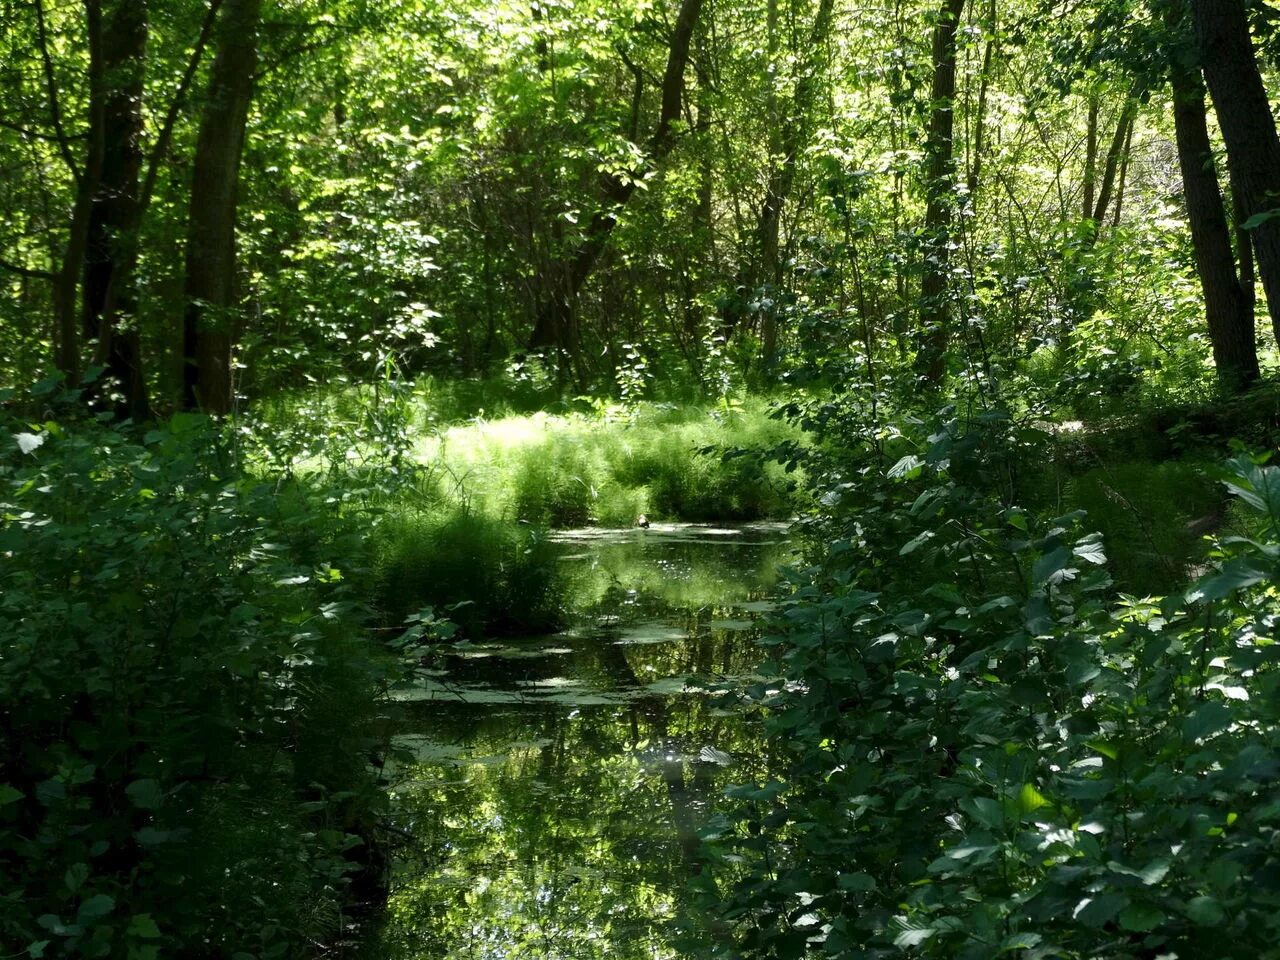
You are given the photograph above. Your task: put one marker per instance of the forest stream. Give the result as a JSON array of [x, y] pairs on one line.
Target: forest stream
[[559, 781]]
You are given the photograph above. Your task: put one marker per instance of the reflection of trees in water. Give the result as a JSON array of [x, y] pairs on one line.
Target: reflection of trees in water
[[575, 847], [571, 831]]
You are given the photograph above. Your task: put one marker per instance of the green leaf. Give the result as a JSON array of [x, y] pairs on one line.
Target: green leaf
[[75, 876], [1052, 567], [909, 466], [1258, 219], [143, 926], [9, 794], [1030, 799], [1090, 550], [856, 882], [1108, 750], [96, 906], [1208, 719], [1097, 911], [910, 933], [915, 542], [985, 810], [1205, 911], [1235, 575], [145, 794], [1141, 917], [1020, 941]]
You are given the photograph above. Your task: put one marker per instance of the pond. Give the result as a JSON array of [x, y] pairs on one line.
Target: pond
[[558, 783]]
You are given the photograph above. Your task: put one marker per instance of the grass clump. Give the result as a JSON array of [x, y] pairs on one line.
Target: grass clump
[[604, 468], [490, 576]]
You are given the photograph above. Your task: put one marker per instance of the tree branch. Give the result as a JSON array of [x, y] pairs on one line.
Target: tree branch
[[34, 134], [28, 272], [51, 84], [165, 137]]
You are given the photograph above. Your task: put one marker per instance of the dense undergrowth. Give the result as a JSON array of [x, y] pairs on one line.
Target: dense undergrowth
[[189, 698], [985, 746], [992, 737]]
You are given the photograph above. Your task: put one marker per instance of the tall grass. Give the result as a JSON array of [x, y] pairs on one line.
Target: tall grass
[[487, 575], [566, 470]]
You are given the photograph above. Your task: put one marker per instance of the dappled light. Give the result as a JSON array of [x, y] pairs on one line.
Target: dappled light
[[639, 479]]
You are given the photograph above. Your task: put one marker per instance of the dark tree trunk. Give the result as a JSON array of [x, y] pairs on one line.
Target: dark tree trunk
[[1229, 314], [1244, 114], [111, 250], [555, 317], [208, 327], [1091, 158], [939, 174], [792, 138], [66, 285], [1244, 254]]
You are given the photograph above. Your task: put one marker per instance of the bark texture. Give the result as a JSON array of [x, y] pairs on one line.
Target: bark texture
[[939, 173], [1227, 308], [210, 289], [110, 300], [1244, 115]]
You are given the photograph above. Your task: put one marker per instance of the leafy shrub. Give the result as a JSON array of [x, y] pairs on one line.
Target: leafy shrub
[[985, 751], [188, 700]]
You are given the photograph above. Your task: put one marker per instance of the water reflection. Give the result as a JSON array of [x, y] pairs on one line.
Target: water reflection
[[552, 787]]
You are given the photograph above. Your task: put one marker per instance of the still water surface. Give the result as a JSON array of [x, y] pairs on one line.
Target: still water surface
[[559, 781]]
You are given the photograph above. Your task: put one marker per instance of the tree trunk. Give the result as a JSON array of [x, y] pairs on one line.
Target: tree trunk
[[1091, 158], [66, 285], [1230, 318], [935, 312], [1244, 114], [111, 251], [555, 316], [1244, 254], [208, 328], [1115, 154], [974, 179], [793, 136]]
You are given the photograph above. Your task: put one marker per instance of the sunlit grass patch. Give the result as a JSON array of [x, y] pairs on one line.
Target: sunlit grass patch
[[566, 470]]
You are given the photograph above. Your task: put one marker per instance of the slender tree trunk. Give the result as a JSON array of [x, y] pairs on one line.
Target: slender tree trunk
[[793, 135], [1125, 156], [980, 114], [1244, 254], [555, 316], [115, 215], [1229, 315], [1244, 115], [935, 312], [208, 328], [1091, 158], [66, 286], [1115, 156]]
